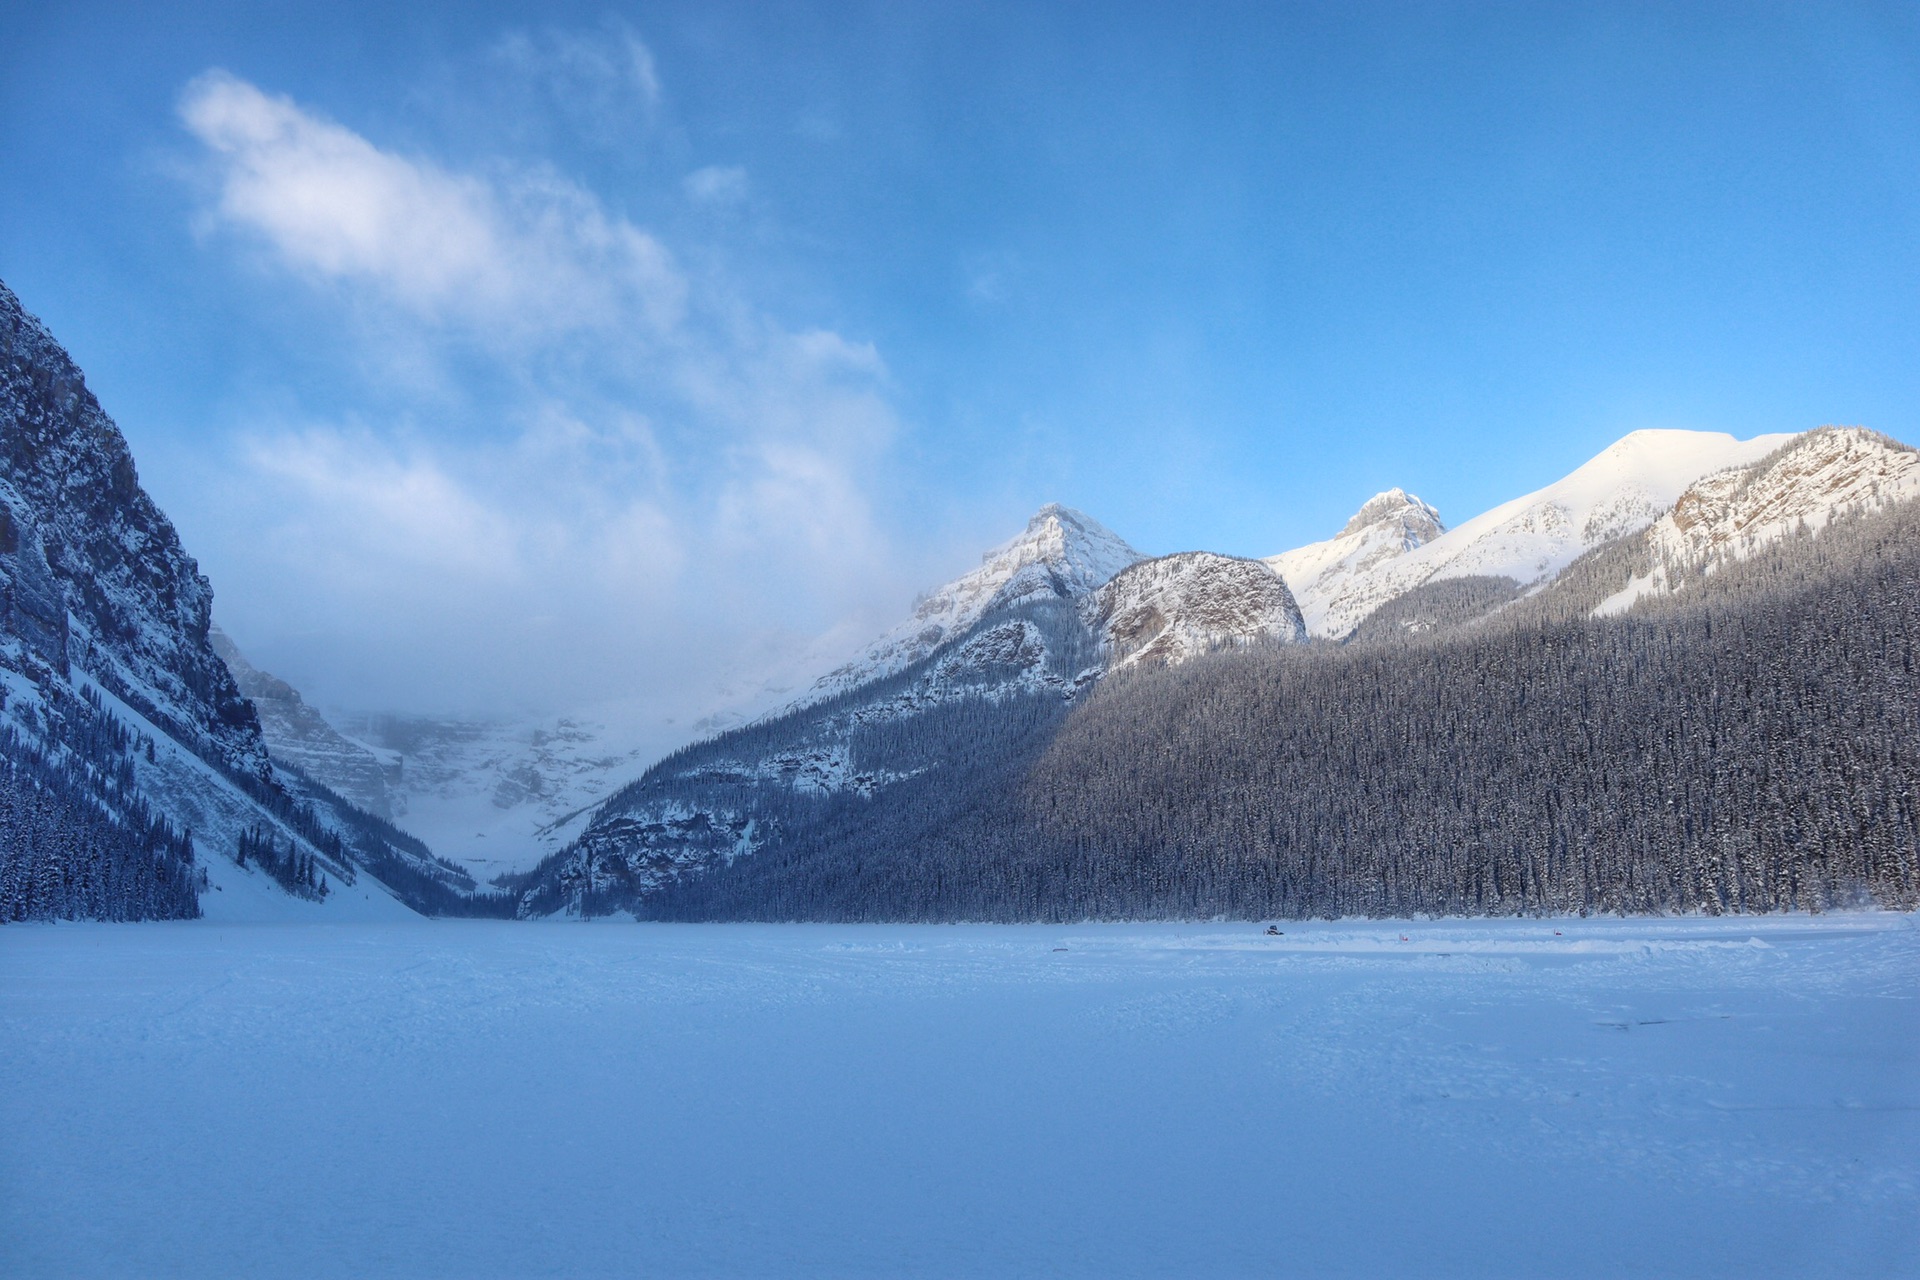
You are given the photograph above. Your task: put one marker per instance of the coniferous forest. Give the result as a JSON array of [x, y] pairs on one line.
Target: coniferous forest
[[77, 844], [1749, 744]]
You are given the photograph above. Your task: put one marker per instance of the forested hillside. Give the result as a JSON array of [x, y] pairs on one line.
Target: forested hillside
[[1749, 744]]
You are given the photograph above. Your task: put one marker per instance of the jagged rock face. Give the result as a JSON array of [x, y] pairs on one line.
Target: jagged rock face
[[33, 612], [1177, 607], [1062, 554], [1618, 493], [96, 575], [1729, 515], [1822, 474], [299, 736], [1323, 575], [1406, 521]]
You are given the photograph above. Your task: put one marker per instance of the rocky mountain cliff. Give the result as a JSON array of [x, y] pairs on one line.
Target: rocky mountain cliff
[[100, 584], [1171, 609], [1814, 479], [116, 710], [300, 736]]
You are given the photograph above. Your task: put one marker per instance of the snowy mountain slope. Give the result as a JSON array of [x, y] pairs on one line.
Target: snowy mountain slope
[[767, 782], [1045, 621], [1621, 491], [1062, 553], [1173, 608], [136, 607], [496, 796], [217, 810], [1320, 574], [1805, 485], [995, 643], [112, 695], [300, 736]]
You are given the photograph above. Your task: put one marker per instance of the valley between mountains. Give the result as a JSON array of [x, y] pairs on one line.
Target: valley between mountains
[[1680, 679]]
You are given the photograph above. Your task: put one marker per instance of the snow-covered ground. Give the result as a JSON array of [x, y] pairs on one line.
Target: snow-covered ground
[[1697, 1097]]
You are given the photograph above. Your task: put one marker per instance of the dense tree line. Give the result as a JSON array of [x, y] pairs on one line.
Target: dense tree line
[[1751, 743], [74, 846], [292, 869]]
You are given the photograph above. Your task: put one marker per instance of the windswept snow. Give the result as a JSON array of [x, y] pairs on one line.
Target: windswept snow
[[1730, 1097]]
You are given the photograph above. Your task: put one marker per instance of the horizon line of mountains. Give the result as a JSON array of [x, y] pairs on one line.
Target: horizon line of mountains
[[1682, 678]]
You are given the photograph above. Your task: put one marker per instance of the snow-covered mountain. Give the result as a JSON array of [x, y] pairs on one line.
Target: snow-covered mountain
[[1062, 553], [492, 796], [1803, 486], [496, 796], [115, 708], [1324, 575], [298, 735], [1003, 641], [1627, 487], [1170, 609], [1009, 646]]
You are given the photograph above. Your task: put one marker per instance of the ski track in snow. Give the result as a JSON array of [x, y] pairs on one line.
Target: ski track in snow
[[1601, 1097]]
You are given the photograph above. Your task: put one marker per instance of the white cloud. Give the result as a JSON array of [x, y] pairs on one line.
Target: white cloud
[[534, 254], [377, 504], [658, 469], [716, 185]]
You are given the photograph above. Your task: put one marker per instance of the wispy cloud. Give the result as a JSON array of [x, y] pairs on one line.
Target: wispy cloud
[[670, 463], [717, 185], [529, 254], [600, 74]]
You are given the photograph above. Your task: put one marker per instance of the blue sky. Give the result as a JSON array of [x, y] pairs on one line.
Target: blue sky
[[524, 355]]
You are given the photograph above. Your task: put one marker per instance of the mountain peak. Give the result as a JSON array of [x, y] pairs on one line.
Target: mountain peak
[[1418, 521], [1062, 553], [1064, 538]]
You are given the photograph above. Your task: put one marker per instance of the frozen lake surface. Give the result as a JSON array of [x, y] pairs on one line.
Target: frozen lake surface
[[1516, 1098]]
